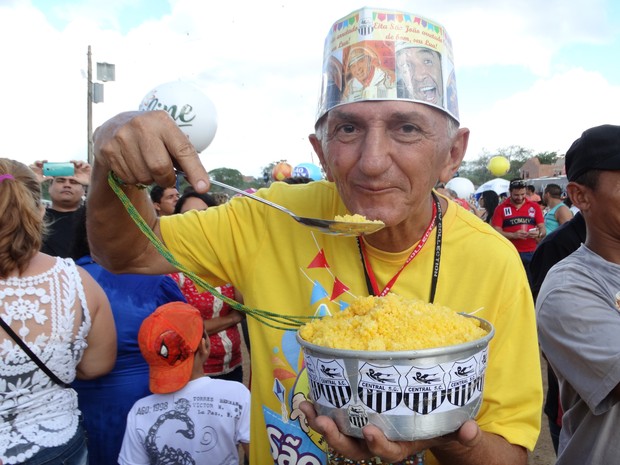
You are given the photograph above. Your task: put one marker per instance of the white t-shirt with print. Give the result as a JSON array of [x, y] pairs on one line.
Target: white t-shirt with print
[[203, 422]]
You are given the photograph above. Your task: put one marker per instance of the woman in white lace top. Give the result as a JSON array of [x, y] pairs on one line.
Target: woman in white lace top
[[62, 315]]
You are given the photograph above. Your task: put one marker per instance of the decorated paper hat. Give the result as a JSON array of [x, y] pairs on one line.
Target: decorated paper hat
[[168, 340], [376, 54]]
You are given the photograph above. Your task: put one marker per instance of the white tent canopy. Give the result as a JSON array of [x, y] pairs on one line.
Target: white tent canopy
[[499, 185]]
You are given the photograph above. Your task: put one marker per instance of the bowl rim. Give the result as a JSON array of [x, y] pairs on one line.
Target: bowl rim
[[404, 354]]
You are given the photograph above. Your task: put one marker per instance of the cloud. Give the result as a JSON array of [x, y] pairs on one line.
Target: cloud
[[548, 116], [260, 64]]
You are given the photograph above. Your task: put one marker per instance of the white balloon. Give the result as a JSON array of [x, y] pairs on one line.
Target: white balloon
[[190, 108], [462, 186]]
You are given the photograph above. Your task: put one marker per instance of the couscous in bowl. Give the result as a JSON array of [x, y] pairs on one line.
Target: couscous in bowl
[[409, 394]]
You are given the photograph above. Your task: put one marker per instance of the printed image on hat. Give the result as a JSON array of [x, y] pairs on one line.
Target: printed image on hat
[[168, 340], [598, 148], [374, 54]]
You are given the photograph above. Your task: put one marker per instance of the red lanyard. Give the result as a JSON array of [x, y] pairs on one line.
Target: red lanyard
[[370, 276]]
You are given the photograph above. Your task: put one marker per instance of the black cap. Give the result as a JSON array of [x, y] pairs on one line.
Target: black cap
[[598, 148]]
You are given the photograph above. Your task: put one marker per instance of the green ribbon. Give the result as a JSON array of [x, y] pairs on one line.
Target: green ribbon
[[271, 319]]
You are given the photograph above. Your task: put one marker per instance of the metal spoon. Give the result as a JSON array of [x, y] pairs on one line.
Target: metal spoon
[[339, 228]]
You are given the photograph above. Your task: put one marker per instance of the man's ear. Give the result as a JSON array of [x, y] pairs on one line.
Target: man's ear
[[318, 149], [579, 195], [455, 155]]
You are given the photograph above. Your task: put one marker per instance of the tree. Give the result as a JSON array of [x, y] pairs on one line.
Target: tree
[[228, 176], [547, 158], [476, 170]]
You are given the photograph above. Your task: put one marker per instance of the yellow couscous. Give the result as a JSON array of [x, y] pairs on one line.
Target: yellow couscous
[[392, 323], [355, 219]]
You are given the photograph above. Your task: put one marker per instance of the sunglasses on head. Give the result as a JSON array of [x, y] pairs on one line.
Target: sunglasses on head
[[517, 184]]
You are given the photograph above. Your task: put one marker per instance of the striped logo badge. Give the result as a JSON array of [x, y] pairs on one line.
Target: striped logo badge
[[358, 417], [463, 382], [482, 366], [335, 387], [425, 390], [379, 387], [365, 28], [316, 388]]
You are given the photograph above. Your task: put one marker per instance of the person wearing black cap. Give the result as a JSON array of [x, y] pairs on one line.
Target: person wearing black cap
[[578, 306]]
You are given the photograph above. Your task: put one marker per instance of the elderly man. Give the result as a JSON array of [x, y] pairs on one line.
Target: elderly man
[[578, 306], [382, 159]]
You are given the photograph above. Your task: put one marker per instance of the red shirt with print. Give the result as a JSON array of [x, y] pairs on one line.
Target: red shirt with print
[[511, 219]]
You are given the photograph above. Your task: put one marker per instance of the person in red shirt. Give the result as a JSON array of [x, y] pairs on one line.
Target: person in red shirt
[[521, 221]]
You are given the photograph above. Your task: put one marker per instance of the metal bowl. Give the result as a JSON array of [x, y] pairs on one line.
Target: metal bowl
[[409, 395]]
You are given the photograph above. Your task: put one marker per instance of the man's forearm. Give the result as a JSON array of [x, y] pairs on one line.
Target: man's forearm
[[491, 449], [116, 242]]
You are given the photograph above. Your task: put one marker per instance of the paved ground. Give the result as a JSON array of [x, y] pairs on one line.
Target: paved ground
[[543, 454]]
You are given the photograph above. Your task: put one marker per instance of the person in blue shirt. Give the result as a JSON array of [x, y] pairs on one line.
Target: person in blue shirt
[[105, 401]]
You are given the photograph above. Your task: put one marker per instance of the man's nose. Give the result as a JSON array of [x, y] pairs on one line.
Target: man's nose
[[375, 152]]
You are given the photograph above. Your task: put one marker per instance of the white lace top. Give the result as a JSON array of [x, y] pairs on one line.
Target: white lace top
[[49, 312]]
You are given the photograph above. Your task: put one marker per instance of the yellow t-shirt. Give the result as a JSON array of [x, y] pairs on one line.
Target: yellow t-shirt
[[282, 266]]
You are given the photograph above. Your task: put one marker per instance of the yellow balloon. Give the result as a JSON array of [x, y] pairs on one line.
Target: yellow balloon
[[498, 165]]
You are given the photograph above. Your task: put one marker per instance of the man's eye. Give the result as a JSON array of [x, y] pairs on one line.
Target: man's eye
[[408, 128], [347, 128]]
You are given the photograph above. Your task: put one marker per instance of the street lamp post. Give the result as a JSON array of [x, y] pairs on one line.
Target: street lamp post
[[105, 72]]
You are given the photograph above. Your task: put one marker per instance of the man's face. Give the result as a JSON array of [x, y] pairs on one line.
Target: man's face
[[602, 208], [360, 69], [385, 157], [66, 193], [420, 71], [517, 196], [168, 202]]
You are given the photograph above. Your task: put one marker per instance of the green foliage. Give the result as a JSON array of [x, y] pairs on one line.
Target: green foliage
[[547, 158], [476, 170], [229, 176]]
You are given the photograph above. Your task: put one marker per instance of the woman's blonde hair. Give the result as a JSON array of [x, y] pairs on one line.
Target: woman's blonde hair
[[21, 221]]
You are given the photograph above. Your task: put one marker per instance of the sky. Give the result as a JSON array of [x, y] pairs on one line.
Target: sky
[[529, 73]]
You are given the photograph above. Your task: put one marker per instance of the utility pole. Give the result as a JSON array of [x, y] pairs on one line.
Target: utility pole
[[89, 106], [105, 72]]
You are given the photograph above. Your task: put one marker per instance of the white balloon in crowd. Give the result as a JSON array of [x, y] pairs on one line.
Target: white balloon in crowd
[[462, 186], [189, 107]]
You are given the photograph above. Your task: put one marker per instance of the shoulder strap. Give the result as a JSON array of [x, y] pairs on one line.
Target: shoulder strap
[[31, 354]]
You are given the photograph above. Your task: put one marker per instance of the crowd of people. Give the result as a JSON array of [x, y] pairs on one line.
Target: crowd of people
[[94, 398], [111, 355]]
